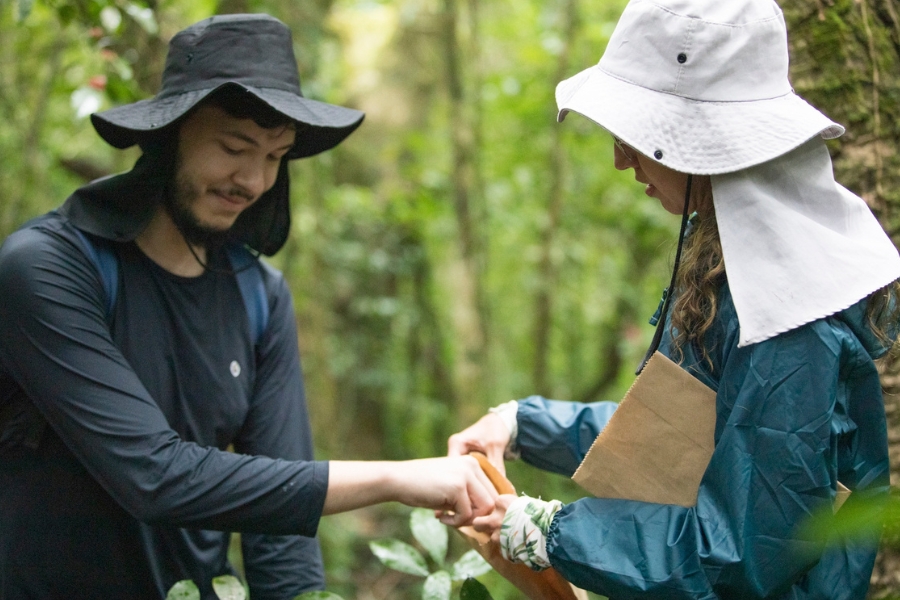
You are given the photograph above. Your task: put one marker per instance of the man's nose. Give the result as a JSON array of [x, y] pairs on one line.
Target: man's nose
[[251, 178]]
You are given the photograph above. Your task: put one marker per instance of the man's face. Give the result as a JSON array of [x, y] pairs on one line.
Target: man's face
[[224, 165]]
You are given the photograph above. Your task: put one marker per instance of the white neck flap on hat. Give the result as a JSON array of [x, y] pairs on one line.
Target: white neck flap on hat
[[797, 245]]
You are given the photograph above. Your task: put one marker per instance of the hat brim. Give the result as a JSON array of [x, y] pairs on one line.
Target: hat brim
[[327, 125], [693, 136]]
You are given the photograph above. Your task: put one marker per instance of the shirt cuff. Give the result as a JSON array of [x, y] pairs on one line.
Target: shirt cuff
[[507, 413]]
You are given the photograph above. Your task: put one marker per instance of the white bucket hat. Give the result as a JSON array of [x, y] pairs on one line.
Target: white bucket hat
[[701, 86]]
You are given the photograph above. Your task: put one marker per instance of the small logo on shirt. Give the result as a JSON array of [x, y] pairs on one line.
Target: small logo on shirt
[[235, 368]]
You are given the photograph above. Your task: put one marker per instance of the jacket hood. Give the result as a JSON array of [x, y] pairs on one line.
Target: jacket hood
[[119, 207]]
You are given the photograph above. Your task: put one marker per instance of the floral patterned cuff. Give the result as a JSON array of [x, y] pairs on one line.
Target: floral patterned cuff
[[523, 534]]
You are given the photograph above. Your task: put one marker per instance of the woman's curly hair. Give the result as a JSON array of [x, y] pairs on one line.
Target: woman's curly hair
[[702, 274], [883, 313]]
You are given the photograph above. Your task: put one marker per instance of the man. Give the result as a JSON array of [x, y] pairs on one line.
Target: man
[[139, 339]]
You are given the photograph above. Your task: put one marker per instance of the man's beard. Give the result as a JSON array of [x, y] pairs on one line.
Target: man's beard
[[179, 200]]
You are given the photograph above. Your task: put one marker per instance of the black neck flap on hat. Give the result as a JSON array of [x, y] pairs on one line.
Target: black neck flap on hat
[[120, 206], [265, 225]]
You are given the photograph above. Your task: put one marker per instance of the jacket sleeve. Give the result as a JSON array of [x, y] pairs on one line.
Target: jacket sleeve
[[277, 426], [555, 435], [774, 464], [55, 344]]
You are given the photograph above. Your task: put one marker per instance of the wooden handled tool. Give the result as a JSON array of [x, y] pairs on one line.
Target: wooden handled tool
[[536, 585], [501, 483]]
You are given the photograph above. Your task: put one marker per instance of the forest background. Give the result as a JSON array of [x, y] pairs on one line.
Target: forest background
[[461, 248]]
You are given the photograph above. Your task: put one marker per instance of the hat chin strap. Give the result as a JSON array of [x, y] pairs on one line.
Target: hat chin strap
[[669, 291]]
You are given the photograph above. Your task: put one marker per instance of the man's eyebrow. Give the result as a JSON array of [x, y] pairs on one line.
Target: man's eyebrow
[[251, 141]]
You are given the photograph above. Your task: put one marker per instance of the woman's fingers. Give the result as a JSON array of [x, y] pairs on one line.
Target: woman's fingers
[[491, 523], [489, 435]]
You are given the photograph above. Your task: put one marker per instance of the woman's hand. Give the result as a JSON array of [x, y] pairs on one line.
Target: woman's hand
[[489, 435], [454, 486], [519, 525], [490, 524]]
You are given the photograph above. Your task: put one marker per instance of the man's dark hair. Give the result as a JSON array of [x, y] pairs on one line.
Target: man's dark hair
[[236, 102], [241, 104]]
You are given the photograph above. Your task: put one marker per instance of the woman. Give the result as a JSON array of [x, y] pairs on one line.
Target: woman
[[781, 303]]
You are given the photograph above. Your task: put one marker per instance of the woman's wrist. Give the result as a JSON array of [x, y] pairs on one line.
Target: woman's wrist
[[507, 413], [523, 534]]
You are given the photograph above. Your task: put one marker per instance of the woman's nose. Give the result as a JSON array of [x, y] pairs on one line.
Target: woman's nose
[[623, 159]]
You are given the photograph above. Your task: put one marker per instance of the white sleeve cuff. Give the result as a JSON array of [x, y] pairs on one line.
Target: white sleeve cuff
[[507, 413]]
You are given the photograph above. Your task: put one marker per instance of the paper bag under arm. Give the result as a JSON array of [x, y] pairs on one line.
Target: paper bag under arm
[[658, 443]]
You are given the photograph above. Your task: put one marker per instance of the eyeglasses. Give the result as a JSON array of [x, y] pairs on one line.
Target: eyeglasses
[[627, 151]]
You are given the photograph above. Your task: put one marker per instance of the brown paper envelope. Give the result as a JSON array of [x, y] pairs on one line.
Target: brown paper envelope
[[658, 443]]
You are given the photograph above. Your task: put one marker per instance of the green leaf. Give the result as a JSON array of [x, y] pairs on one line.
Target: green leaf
[[183, 590], [318, 596], [470, 564], [110, 18], [399, 556], [472, 590], [85, 100], [429, 532], [229, 587], [25, 7], [67, 13], [859, 517], [437, 586], [144, 17]]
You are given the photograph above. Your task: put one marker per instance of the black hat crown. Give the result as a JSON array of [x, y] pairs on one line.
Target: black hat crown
[[254, 52]]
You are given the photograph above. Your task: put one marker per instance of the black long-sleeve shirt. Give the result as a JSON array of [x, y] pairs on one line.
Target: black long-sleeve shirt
[[115, 481]]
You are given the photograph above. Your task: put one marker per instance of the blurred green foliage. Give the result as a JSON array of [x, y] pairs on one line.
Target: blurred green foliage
[[432, 536], [460, 249]]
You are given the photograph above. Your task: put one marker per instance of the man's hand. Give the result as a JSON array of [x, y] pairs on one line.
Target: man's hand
[[488, 435], [454, 486]]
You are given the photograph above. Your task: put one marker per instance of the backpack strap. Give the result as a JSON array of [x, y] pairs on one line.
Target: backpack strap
[[103, 257], [247, 272], [249, 279]]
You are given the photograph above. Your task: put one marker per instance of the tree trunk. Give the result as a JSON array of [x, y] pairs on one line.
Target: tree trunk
[[846, 61], [543, 314], [471, 302]]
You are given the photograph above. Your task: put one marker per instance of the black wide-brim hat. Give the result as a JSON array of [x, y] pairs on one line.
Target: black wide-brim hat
[[252, 51]]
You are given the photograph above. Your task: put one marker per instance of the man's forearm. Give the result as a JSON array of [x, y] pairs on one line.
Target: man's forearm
[[455, 485]]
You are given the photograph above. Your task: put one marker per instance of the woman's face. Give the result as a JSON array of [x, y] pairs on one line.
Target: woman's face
[[664, 184]]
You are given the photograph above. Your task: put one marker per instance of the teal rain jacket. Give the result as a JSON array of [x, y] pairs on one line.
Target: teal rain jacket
[[795, 414]]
